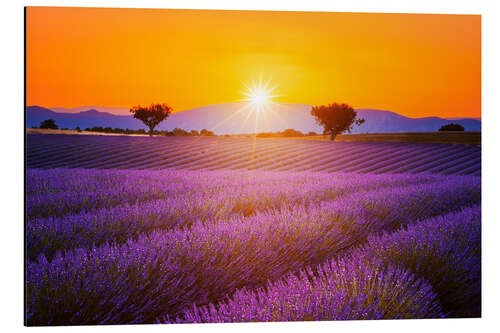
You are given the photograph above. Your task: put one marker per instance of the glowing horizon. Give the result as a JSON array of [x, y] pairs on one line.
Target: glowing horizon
[[413, 64]]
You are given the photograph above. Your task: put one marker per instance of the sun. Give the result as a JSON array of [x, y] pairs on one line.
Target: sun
[[259, 95]]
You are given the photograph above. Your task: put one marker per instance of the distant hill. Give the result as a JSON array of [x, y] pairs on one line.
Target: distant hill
[[112, 110], [234, 118], [388, 122], [89, 118]]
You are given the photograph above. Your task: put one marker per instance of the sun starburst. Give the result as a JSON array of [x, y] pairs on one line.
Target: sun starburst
[[259, 95]]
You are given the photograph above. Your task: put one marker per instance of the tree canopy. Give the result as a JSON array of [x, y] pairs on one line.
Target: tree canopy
[[151, 115], [49, 123], [205, 132], [335, 118], [451, 127]]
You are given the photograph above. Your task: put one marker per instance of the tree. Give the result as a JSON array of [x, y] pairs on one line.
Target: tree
[[205, 132], [451, 127], [179, 132], [49, 123], [291, 133], [151, 115], [335, 118]]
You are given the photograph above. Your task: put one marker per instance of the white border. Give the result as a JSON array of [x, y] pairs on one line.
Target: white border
[[386, 6], [12, 92]]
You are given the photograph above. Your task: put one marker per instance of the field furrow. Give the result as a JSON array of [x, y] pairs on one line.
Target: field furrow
[[211, 153]]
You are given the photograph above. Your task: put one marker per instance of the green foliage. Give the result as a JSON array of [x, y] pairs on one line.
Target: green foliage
[[336, 118]]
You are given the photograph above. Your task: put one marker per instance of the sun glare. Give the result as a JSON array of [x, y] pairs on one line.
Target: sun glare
[[259, 95]]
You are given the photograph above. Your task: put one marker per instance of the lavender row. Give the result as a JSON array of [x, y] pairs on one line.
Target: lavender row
[[118, 224], [240, 153], [371, 283], [446, 251], [61, 192], [350, 289], [89, 180], [164, 273]]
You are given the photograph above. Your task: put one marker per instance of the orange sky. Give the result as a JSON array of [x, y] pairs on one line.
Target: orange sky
[[415, 65]]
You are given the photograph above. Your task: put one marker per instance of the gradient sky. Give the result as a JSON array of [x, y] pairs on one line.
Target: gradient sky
[[415, 65]]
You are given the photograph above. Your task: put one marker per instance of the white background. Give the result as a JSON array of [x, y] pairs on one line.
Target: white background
[[12, 160]]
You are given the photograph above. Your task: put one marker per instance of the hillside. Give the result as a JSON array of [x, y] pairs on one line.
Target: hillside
[[216, 153], [233, 118]]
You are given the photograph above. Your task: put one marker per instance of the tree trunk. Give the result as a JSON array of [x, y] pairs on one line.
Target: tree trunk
[[332, 136], [151, 131]]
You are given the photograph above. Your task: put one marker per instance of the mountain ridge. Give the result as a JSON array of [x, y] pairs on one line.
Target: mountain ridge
[[236, 118]]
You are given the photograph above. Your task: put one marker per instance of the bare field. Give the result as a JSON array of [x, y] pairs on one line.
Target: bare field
[[74, 132], [473, 138]]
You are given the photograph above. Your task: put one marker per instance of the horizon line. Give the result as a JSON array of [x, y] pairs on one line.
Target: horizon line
[[92, 107]]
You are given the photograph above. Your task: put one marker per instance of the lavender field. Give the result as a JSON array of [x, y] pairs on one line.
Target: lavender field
[[221, 153], [181, 246]]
